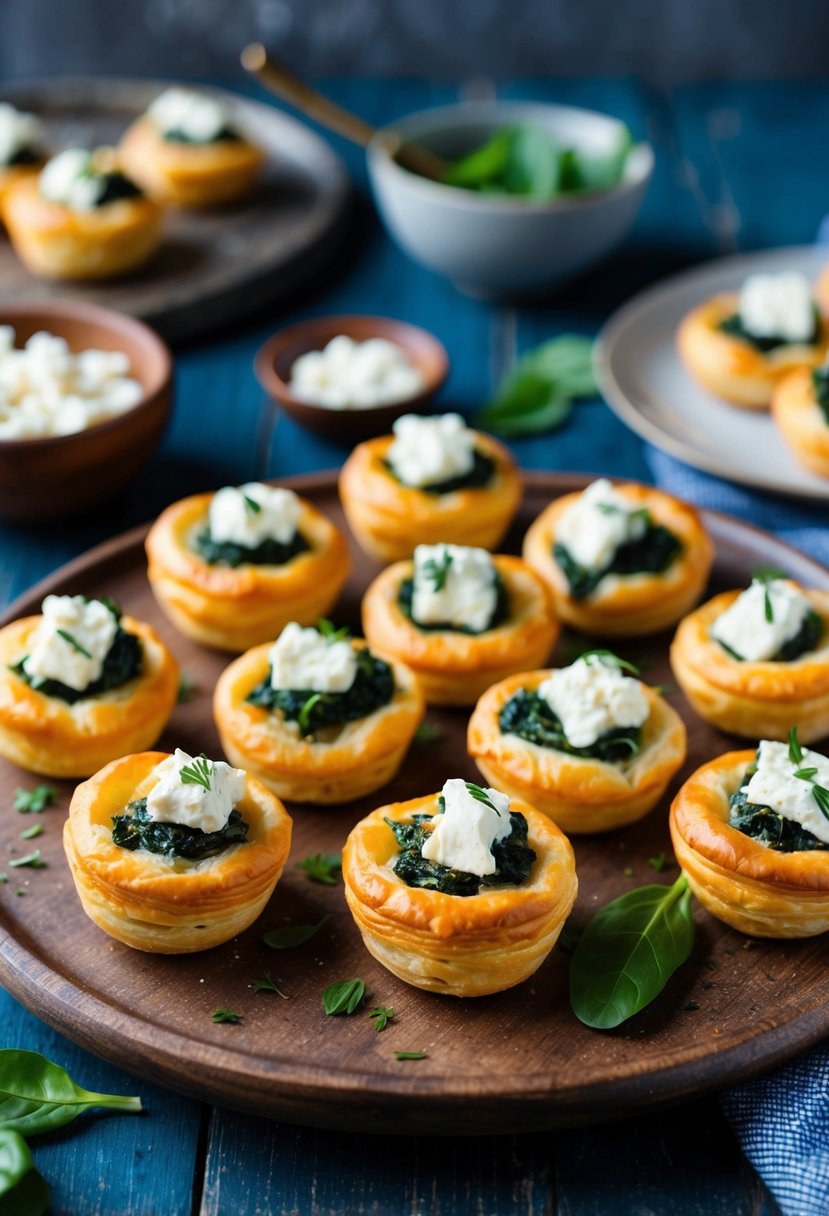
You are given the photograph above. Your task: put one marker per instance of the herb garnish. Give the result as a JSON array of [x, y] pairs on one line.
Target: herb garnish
[[72, 641], [33, 861], [539, 392], [382, 1015], [795, 750], [480, 795], [659, 863], [628, 953], [266, 983], [332, 634], [30, 833], [34, 800], [251, 505], [609, 659], [322, 867], [436, 570], [225, 1017], [426, 734], [121, 663], [200, 772], [819, 792], [410, 1055], [344, 996], [290, 936], [186, 687]]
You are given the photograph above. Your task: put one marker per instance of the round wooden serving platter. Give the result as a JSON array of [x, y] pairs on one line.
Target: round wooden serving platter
[[512, 1062], [214, 266]]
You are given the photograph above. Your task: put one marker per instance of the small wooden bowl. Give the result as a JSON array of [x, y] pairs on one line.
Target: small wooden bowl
[[63, 474], [276, 358]]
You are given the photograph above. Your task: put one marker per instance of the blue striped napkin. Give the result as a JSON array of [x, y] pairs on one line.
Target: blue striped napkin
[[781, 1119]]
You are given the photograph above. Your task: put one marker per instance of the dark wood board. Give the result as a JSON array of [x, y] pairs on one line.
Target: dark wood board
[[513, 1062], [214, 266]]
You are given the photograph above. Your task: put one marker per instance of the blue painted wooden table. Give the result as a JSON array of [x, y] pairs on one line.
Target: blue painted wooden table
[[735, 169]]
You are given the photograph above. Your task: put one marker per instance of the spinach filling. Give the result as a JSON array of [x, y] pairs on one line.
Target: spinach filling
[[806, 639], [116, 186], [733, 326], [820, 383], [135, 830], [373, 688], [528, 715], [177, 136], [500, 612], [121, 664], [767, 826], [24, 156], [651, 553], [513, 859], [268, 553], [481, 474]]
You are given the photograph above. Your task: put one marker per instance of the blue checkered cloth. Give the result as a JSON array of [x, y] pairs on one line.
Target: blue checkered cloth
[[782, 1119]]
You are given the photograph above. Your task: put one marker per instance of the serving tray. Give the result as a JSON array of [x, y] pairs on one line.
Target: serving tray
[[516, 1061], [646, 383], [214, 266]]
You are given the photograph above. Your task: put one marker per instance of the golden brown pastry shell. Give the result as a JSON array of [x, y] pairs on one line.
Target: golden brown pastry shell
[[58, 243], [801, 421], [189, 175], [234, 608], [740, 881], [355, 760], [457, 945], [757, 700], [580, 795], [16, 173], [454, 668], [163, 905], [731, 368], [635, 604], [46, 735], [389, 519]]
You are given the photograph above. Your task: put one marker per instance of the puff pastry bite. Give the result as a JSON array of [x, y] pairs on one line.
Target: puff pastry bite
[[172, 854], [751, 832], [463, 893], [187, 149], [460, 619], [588, 745], [81, 685], [81, 218], [739, 346], [800, 407], [21, 146], [620, 561], [433, 480], [753, 662], [231, 569], [317, 717]]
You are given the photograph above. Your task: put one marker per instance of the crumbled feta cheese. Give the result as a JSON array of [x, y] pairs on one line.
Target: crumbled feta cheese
[[591, 697], [775, 785], [200, 118], [464, 834], [19, 132], [250, 514], [349, 375], [306, 661], [173, 801], [744, 627], [70, 179], [454, 585], [598, 523], [778, 306], [45, 389], [71, 641], [426, 451]]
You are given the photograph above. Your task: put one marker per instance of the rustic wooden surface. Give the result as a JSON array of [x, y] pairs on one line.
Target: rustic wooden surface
[[520, 1059], [214, 266]]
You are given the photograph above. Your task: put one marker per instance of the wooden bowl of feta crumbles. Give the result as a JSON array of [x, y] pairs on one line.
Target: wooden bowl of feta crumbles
[[74, 430]]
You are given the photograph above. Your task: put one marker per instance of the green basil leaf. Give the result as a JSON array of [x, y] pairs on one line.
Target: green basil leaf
[[23, 1192], [482, 166], [629, 951], [533, 163], [290, 936], [568, 360], [344, 996], [38, 1096], [525, 405], [592, 172]]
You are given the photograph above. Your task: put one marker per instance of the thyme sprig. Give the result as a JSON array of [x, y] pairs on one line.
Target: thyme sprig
[[200, 772], [436, 570], [72, 641]]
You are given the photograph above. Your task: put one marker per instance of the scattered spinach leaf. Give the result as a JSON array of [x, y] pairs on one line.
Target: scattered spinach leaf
[[410, 1055], [427, 733], [290, 936], [659, 863], [322, 867], [34, 800], [225, 1017], [39, 1096], [186, 688], [538, 393]]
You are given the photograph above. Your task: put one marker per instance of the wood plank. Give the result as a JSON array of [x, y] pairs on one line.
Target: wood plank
[[106, 1164]]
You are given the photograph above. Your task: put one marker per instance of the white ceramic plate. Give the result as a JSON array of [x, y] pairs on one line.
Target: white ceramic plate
[[645, 383]]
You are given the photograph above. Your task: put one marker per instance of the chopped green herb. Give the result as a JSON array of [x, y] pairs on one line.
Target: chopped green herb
[[266, 983], [186, 687], [73, 642], [304, 717], [480, 795], [200, 772], [226, 1017], [628, 872], [3, 877], [20, 891], [344, 996], [330, 633], [30, 833], [609, 659], [33, 860], [290, 936], [427, 733], [251, 505], [659, 863], [322, 867], [436, 570], [34, 800], [795, 750], [410, 1055], [382, 1015]]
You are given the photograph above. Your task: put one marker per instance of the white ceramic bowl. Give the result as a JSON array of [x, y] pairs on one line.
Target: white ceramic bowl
[[499, 245]]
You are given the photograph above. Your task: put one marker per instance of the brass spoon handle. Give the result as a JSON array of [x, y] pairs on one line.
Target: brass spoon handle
[[276, 78]]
